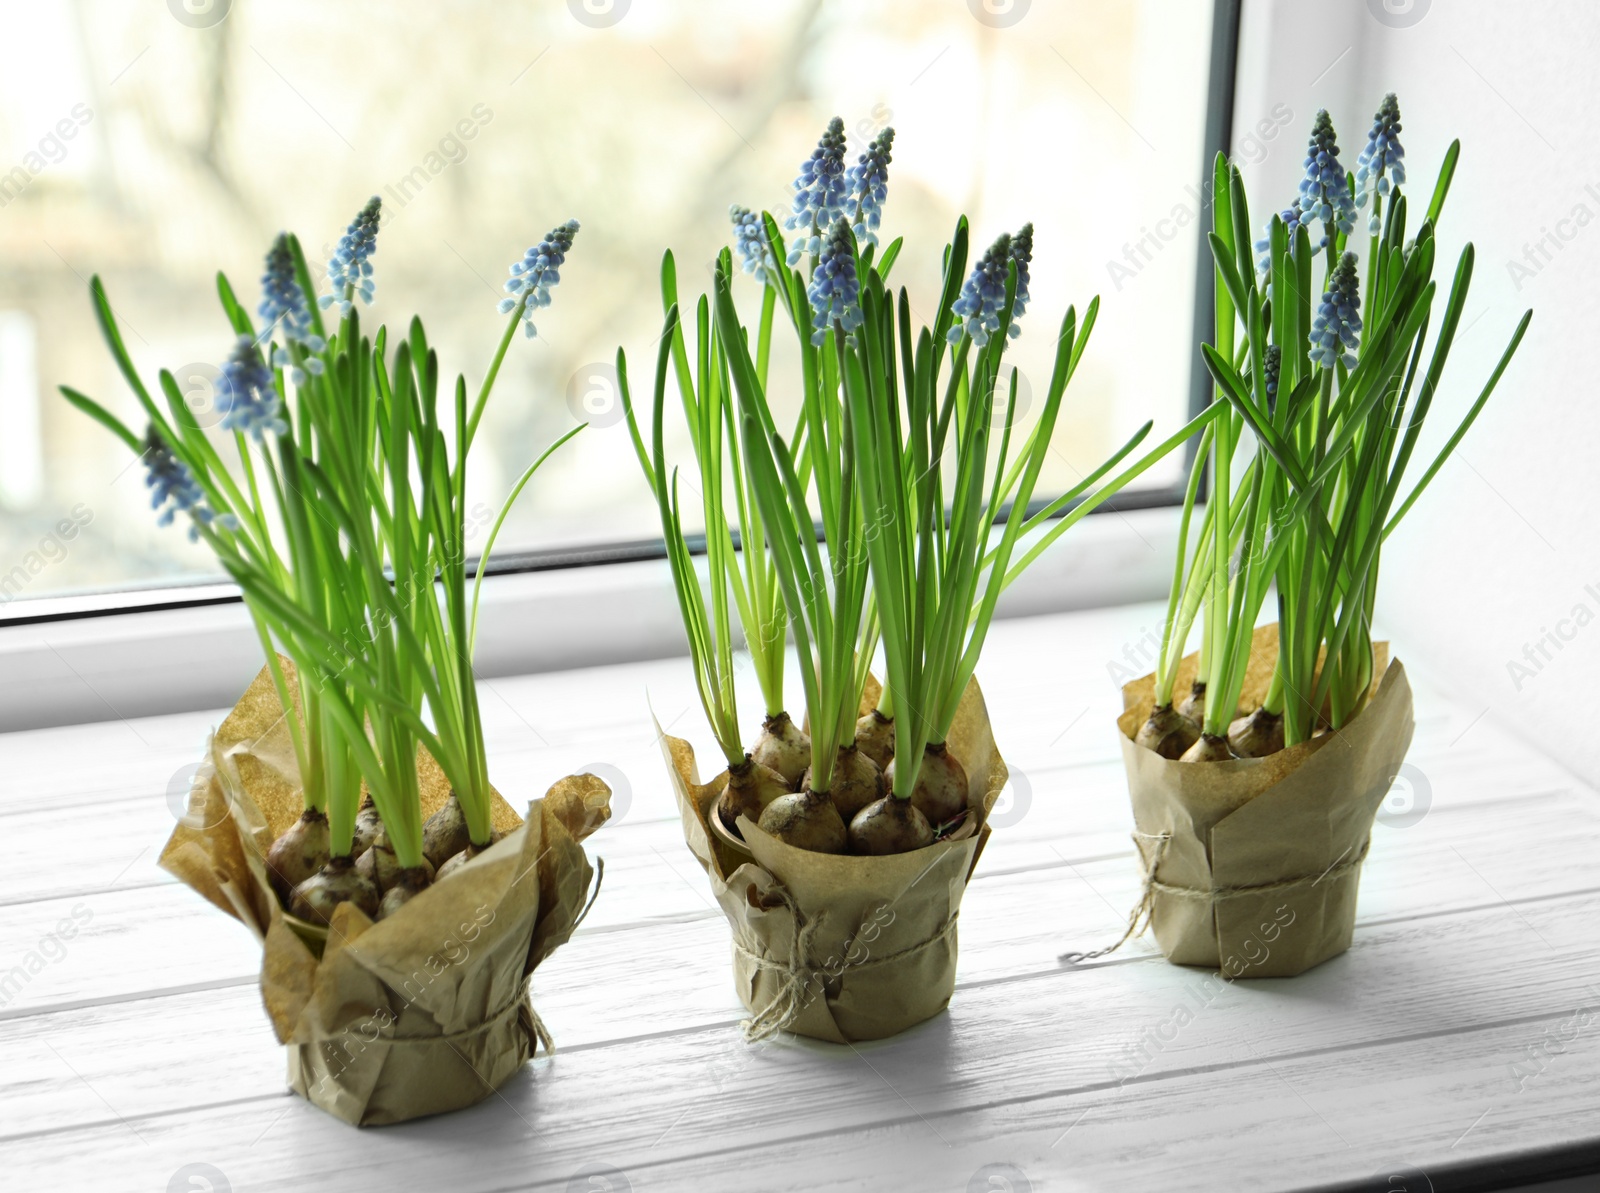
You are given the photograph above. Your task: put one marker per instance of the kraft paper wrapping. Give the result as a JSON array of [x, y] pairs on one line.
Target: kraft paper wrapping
[[843, 948], [1252, 865], [420, 1013]]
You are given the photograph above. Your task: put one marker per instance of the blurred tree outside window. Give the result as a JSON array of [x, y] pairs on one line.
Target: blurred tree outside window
[[157, 142]]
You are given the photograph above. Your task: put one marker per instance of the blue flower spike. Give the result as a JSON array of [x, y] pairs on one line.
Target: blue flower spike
[[284, 312], [1334, 331], [350, 269], [1324, 192], [835, 290], [821, 192], [246, 395], [538, 273], [750, 238], [1022, 254], [172, 485], [1382, 164], [1271, 369], [868, 184], [983, 294], [1292, 217]]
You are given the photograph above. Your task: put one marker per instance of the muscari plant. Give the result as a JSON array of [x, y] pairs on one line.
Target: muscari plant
[[877, 522], [955, 506], [741, 573], [817, 536], [342, 518], [708, 616], [1334, 405]]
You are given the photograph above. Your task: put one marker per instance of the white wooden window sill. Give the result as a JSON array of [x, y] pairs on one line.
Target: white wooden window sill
[[1461, 1032]]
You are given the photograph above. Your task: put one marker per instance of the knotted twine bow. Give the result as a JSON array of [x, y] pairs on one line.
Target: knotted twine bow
[[1139, 919], [796, 973]]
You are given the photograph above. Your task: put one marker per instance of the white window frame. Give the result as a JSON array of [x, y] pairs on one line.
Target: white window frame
[[72, 668]]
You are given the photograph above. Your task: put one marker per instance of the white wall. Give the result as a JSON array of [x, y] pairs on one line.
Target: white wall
[[1504, 550]]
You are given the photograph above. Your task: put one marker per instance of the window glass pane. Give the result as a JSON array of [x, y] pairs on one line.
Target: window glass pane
[[153, 145]]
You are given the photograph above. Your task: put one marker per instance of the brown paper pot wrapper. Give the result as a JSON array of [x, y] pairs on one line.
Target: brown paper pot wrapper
[[427, 1010], [1252, 865], [843, 948]]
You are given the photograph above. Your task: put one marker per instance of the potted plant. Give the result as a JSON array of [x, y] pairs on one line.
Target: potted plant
[[896, 509], [397, 934], [1254, 806]]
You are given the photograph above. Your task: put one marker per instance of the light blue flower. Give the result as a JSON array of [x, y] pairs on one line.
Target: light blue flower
[[983, 295], [1292, 218], [539, 272], [1324, 192], [1382, 164], [1334, 331], [868, 184], [246, 396], [173, 485], [820, 193], [835, 290], [750, 237], [350, 270], [283, 311]]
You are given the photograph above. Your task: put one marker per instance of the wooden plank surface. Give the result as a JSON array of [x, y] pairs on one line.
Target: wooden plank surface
[[1463, 1025]]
